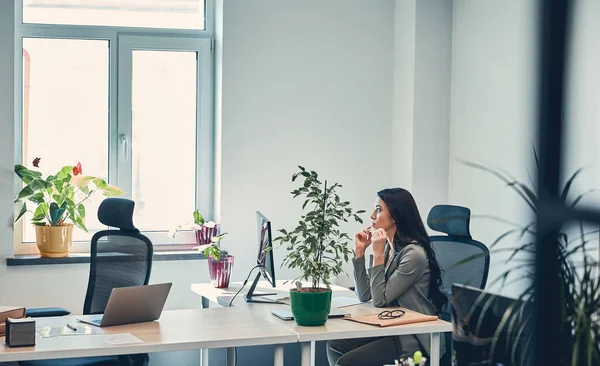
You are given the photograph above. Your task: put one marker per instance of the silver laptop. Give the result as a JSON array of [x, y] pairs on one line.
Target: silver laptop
[[135, 304]]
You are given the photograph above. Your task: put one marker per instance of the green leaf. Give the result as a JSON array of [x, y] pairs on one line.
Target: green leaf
[[567, 187], [502, 176], [41, 209], [37, 198], [39, 184], [21, 212], [56, 212], [39, 217], [213, 251], [25, 192], [79, 223], [81, 211], [65, 172], [33, 187], [25, 174], [107, 189], [198, 219]]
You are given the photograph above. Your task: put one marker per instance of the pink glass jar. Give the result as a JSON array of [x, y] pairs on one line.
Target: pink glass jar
[[205, 234], [220, 270]]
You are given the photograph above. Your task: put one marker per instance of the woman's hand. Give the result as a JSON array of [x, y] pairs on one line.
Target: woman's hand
[[379, 239], [362, 240]]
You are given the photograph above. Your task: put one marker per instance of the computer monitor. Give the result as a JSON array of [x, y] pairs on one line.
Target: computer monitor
[[490, 329], [264, 260]]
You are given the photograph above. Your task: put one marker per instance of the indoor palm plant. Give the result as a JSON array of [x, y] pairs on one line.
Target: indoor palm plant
[[316, 246], [579, 282], [57, 203]]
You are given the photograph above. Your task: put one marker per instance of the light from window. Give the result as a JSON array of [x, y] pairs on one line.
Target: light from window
[[177, 14], [65, 112], [163, 138]]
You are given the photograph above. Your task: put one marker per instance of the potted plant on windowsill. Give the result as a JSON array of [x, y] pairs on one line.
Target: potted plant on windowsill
[[58, 204], [208, 240], [317, 247]]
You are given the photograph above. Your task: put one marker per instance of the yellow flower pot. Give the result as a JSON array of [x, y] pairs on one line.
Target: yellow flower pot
[[54, 241]]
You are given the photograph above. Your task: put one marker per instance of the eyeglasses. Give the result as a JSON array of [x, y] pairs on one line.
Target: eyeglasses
[[391, 314]]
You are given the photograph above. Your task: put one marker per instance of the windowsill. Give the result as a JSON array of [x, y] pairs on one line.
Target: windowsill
[[73, 258]]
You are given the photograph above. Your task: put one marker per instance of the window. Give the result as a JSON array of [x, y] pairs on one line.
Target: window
[[180, 14], [133, 105]]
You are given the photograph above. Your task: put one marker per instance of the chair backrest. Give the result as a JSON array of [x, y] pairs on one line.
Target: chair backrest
[[118, 258], [463, 260]]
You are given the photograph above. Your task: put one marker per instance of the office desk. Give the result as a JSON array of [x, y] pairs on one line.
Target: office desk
[[333, 329], [176, 330]]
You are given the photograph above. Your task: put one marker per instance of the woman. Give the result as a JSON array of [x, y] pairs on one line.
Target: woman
[[405, 273]]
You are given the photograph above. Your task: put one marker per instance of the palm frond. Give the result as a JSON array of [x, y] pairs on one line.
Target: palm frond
[[515, 185]]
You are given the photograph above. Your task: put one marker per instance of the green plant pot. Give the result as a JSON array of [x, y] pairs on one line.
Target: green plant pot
[[310, 308]]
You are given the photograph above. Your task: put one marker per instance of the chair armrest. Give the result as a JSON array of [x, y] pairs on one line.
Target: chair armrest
[[45, 312]]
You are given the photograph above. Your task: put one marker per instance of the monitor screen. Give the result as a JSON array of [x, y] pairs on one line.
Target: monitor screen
[[479, 334], [265, 240]]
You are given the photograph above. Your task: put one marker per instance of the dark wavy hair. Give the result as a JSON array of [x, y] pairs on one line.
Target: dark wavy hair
[[409, 228]]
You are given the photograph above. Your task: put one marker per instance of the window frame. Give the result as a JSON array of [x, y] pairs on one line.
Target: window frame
[[118, 37]]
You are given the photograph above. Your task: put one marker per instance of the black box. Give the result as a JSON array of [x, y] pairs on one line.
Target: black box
[[20, 332]]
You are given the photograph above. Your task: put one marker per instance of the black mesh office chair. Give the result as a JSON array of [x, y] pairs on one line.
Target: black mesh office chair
[[463, 260], [118, 258]]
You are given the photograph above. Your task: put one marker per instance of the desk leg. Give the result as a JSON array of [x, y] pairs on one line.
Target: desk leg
[[434, 352], [313, 351], [230, 356], [204, 352], [306, 353], [278, 353]]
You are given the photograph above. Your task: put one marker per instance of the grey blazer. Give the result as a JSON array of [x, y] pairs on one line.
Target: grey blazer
[[402, 281]]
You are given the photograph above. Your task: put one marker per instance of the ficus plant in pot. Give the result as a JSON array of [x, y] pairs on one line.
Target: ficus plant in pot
[[316, 246]]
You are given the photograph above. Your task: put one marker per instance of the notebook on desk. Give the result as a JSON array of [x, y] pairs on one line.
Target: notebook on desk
[[286, 313], [409, 317]]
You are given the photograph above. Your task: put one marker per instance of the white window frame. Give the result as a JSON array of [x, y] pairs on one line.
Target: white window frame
[[122, 40]]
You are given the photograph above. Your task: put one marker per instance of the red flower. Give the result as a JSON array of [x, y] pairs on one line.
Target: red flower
[[77, 169], [36, 162]]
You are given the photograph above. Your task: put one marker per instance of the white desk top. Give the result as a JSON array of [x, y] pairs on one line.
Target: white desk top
[[176, 330], [208, 291], [334, 328]]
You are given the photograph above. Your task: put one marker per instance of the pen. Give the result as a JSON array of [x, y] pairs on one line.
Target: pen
[[74, 329]]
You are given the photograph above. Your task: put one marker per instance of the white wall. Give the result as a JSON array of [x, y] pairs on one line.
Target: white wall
[[583, 114], [493, 104], [433, 60], [421, 120], [494, 107], [404, 92], [302, 85]]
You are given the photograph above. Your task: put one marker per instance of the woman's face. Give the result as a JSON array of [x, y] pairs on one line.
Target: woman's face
[[381, 216]]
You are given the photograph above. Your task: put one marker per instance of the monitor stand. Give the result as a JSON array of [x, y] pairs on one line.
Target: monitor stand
[[252, 296]]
